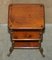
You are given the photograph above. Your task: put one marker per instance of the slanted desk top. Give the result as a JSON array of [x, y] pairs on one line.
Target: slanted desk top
[[26, 16]]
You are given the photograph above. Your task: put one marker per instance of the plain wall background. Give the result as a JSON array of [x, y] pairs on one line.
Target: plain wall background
[[4, 9]]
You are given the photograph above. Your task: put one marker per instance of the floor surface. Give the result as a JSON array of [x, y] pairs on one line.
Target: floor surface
[[25, 54]]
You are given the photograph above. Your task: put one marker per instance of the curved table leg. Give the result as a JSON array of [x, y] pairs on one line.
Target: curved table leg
[[41, 51], [11, 49]]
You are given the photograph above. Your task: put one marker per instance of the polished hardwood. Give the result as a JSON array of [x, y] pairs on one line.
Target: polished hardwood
[[26, 35], [26, 16], [26, 44], [26, 25]]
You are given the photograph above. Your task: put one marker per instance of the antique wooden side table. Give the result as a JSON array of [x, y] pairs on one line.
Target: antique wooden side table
[[26, 25]]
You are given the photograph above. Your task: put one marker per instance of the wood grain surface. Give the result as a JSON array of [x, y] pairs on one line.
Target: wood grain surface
[[26, 16]]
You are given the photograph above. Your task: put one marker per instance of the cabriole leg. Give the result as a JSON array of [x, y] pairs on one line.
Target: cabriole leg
[[41, 51], [11, 49]]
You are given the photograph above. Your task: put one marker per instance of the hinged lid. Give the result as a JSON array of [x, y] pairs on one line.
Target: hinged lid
[[26, 16]]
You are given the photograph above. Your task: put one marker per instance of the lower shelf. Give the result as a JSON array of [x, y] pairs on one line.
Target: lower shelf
[[26, 44]]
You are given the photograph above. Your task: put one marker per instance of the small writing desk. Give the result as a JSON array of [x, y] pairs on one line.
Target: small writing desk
[[26, 25]]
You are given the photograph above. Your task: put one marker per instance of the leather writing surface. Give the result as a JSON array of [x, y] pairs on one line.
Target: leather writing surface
[[26, 16]]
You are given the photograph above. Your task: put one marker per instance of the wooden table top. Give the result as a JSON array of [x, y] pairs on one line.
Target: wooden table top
[[26, 16]]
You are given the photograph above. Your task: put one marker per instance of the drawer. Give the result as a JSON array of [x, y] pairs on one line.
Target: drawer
[[25, 35], [26, 44]]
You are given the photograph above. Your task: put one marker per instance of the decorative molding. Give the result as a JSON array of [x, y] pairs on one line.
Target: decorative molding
[[46, 25]]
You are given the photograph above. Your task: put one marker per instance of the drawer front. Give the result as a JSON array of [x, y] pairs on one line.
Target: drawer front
[[26, 35], [26, 44]]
